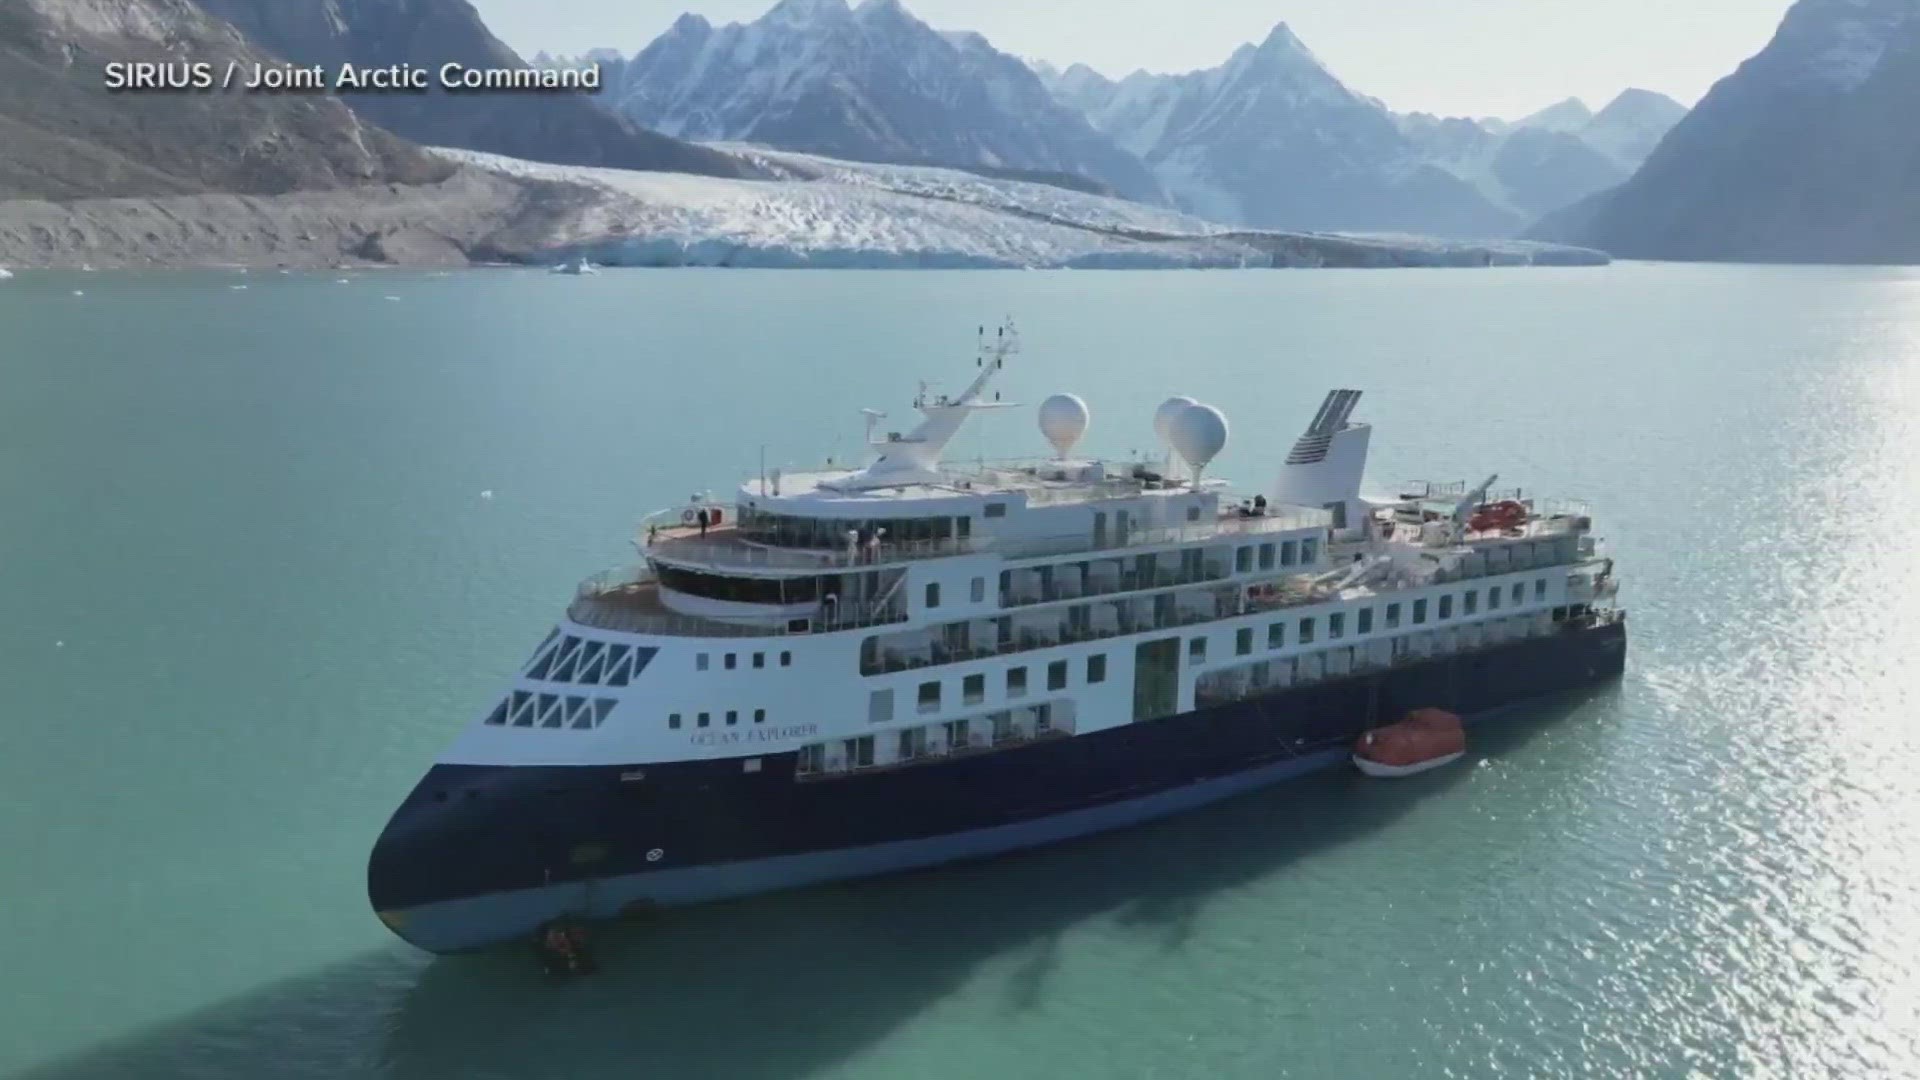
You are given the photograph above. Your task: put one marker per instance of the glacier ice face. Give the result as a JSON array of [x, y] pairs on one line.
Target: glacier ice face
[[828, 213]]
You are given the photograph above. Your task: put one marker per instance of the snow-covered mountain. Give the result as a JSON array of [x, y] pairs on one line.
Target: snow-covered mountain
[[1633, 124], [871, 83], [1568, 116], [1807, 153], [1271, 138], [1553, 158]]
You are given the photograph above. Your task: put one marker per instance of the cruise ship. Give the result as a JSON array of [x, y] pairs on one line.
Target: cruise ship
[[906, 661]]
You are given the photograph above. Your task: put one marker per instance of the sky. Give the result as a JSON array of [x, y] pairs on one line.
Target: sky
[[1454, 57]]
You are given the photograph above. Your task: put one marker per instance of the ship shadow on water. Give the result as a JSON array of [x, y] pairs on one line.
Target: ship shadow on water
[[783, 985]]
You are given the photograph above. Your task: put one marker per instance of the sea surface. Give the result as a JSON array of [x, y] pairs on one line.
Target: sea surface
[[267, 541]]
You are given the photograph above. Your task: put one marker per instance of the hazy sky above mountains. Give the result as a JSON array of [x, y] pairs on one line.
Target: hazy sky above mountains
[[1467, 57]]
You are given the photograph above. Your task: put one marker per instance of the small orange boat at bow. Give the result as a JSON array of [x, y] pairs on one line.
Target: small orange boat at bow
[[1426, 739]]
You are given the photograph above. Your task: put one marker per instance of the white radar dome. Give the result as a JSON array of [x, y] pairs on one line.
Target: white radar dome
[[1063, 420], [1163, 416], [1198, 435]]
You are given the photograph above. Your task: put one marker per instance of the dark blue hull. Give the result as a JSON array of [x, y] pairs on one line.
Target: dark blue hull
[[478, 855]]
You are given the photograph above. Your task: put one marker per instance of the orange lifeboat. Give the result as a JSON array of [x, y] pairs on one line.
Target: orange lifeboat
[[1498, 517], [1426, 739]]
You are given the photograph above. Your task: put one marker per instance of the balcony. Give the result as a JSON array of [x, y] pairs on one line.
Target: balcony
[[628, 601]]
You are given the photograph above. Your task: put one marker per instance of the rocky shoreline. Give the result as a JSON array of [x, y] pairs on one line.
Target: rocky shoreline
[[472, 216]]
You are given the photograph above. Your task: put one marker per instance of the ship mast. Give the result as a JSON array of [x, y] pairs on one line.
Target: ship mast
[[914, 458]]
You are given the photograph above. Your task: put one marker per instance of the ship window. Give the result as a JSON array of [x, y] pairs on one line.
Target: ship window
[[1306, 631], [929, 697], [740, 590], [617, 670], [564, 660], [540, 666], [549, 710], [1446, 606], [1309, 551], [1419, 611], [1193, 513], [1266, 556], [995, 510], [958, 737], [1276, 635], [1493, 598], [601, 708], [593, 664], [1057, 675], [1559, 614], [700, 662], [732, 660], [705, 719], [1363, 624], [579, 714], [1042, 719], [673, 721], [759, 660], [1016, 682], [1519, 592], [979, 590], [1289, 553], [522, 709], [811, 759], [1470, 602], [860, 752], [499, 714], [1393, 616], [913, 743], [1197, 650], [880, 706], [973, 689], [1540, 589], [933, 594], [733, 717], [786, 659], [1336, 625], [1243, 641], [1096, 669], [1243, 560], [759, 716], [622, 663]]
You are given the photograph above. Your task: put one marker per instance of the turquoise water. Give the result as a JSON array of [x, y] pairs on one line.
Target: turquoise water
[[251, 586]]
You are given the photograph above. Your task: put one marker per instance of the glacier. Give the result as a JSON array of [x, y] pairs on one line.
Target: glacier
[[820, 212]]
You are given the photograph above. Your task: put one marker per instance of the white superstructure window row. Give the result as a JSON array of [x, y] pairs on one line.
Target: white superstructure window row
[[553, 712], [984, 732]]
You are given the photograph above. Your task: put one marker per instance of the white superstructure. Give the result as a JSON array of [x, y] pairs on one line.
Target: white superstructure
[[910, 609]]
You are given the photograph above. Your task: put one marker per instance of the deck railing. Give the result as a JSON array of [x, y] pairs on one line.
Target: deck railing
[[737, 552], [627, 600]]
